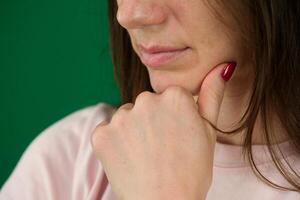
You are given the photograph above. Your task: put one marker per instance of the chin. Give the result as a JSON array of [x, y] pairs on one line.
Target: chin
[[161, 86], [187, 78]]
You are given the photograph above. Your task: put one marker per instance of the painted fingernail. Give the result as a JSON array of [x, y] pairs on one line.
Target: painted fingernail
[[228, 71]]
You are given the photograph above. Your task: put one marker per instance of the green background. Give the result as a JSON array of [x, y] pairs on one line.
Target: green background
[[54, 60]]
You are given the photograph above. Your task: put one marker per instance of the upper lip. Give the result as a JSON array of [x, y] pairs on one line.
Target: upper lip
[[159, 49]]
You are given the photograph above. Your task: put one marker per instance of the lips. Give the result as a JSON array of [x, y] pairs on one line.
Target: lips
[[156, 56]]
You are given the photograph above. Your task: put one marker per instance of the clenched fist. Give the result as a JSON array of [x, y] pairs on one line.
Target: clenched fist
[[162, 147]]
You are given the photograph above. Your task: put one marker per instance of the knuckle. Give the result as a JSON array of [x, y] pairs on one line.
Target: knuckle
[[101, 136], [179, 93], [119, 115], [98, 135], [176, 90], [100, 126], [94, 139], [144, 95], [126, 106], [144, 98]]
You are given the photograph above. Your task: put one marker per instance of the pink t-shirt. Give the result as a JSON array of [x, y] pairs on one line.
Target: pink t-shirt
[[60, 164]]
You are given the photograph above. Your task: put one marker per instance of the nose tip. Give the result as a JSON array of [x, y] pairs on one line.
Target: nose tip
[[139, 13]]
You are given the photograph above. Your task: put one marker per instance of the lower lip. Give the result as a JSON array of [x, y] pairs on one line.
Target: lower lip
[[163, 58]]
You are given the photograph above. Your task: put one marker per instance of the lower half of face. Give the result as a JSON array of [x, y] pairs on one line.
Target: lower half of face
[[199, 42], [190, 67]]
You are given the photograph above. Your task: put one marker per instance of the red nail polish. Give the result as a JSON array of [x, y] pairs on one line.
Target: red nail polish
[[228, 71]]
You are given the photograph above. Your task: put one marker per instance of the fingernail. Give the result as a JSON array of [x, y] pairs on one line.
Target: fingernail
[[228, 71]]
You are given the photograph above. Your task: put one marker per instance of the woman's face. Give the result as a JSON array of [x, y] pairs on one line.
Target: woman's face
[[179, 41]]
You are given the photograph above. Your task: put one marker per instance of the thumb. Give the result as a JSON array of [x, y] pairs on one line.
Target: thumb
[[212, 91]]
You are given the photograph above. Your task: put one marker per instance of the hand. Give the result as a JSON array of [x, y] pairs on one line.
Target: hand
[[162, 147]]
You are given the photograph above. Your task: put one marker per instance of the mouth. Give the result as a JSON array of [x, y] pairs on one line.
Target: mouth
[[158, 56]]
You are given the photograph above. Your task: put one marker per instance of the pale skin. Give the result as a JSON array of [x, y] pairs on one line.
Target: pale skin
[[161, 147]]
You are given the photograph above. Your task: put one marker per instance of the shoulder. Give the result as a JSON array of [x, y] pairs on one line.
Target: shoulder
[[59, 162], [79, 119], [78, 124], [71, 132]]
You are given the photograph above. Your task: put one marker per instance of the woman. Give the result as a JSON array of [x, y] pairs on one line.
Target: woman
[[219, 118]]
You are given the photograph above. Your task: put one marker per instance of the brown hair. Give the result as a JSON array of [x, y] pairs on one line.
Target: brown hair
[[270, 29]]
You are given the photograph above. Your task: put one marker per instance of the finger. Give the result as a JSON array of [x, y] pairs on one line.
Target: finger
[[103, 123], [127, 106], [212, 91], [94, 135]]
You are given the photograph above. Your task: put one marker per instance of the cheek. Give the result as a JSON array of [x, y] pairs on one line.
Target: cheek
[[213, 47], [190, 79], [212, 40]]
